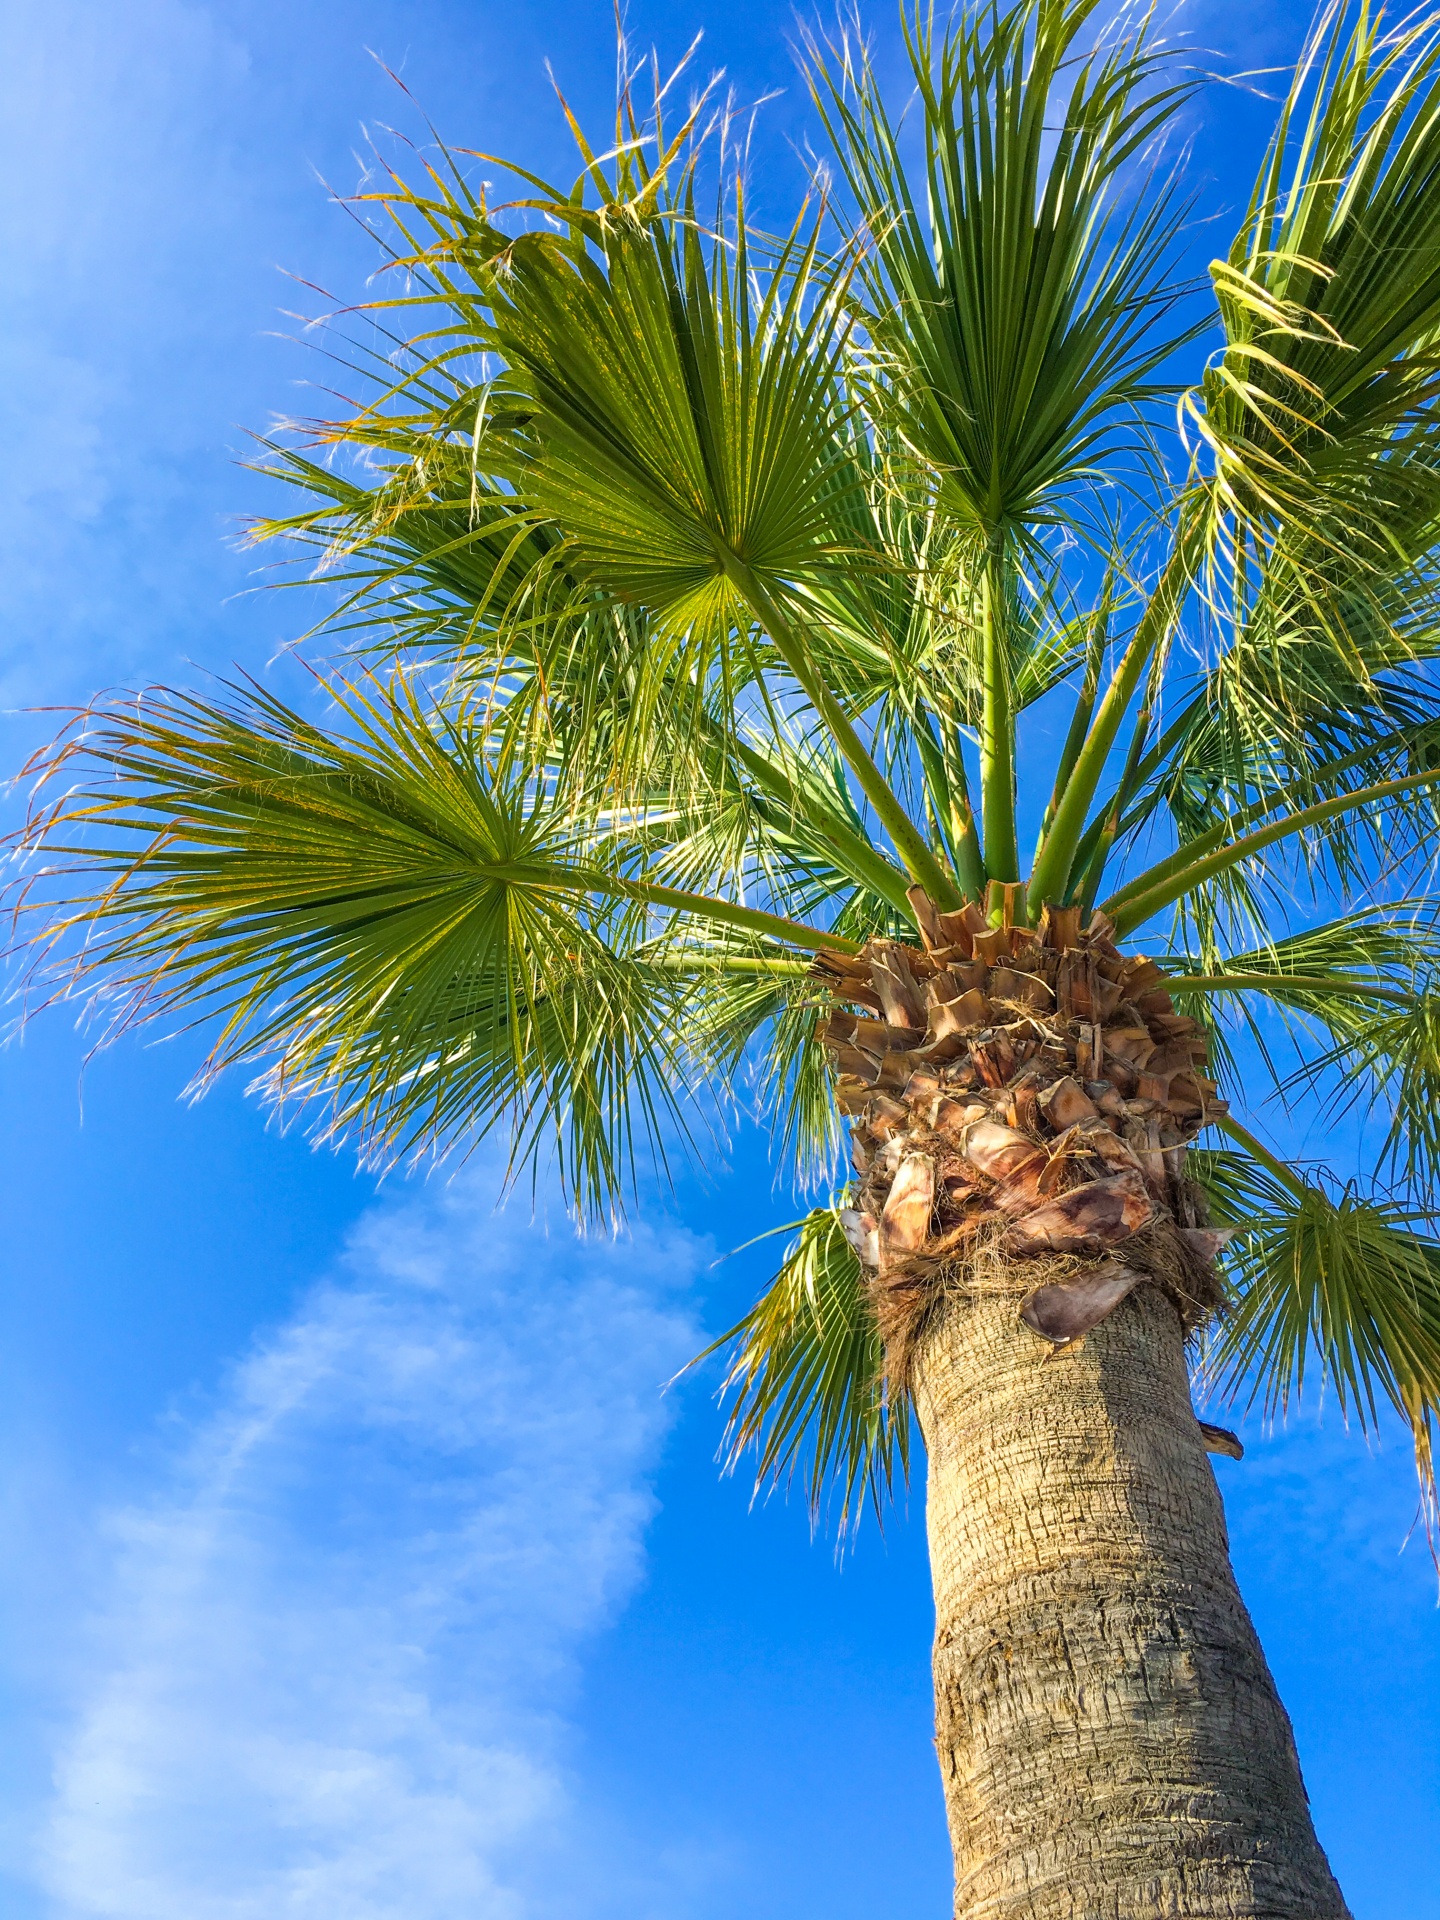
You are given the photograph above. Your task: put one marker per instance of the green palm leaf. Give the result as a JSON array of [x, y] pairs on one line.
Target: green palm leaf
[[682, 436], [807, 1370], [1321, 412], [1328, 1279], [390, 930], [1011, 302]]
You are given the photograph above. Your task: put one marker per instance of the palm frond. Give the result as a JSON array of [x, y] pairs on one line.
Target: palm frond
[[1322, 413], [1354, 995], [808, 1374], [1386, 1057], [1014, 306], [1326, 1277], [420, 950]]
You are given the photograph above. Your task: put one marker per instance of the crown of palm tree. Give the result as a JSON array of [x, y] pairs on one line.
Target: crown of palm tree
[[712, 593]]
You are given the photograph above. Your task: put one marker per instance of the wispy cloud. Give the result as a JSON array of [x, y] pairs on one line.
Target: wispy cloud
[[328, 1672]]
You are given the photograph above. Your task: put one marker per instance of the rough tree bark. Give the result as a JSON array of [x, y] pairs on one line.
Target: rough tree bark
[[1110, 1739]]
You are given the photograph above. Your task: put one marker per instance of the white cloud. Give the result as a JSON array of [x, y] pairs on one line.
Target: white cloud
[[329, 1670]]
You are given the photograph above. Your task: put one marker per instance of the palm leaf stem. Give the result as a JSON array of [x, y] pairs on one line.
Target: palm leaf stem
[[1277, 1168], [997, 726], [1300, 982], [1214, 836], [853, 853], [965, 842], [969, 857], [728, 963], [950, 798], [1150, 764], [1081, 717], [1091, 870], [1138, 907], [906, 837], [1051, 873], [726, 913], [1270, 982]]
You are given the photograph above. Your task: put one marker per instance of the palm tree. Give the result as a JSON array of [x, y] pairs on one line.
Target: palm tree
[[710, 598]]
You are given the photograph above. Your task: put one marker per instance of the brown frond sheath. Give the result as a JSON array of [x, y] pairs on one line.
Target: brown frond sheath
[[1029, 1090]]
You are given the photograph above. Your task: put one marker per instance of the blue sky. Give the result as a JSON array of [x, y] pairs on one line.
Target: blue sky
[[356, 1563]]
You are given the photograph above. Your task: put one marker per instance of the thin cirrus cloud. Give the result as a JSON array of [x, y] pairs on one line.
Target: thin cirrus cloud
[[329, 1664]]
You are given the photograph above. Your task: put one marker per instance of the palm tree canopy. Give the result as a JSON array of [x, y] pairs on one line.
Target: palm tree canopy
[[709, 594]]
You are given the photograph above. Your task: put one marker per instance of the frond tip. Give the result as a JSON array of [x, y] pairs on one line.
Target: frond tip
[[807, 1369]]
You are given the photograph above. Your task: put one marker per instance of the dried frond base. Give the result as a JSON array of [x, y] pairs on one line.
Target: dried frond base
[[1021, 1104]]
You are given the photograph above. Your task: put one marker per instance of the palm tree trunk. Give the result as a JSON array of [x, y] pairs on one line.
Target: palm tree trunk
[[1111, 1741]]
